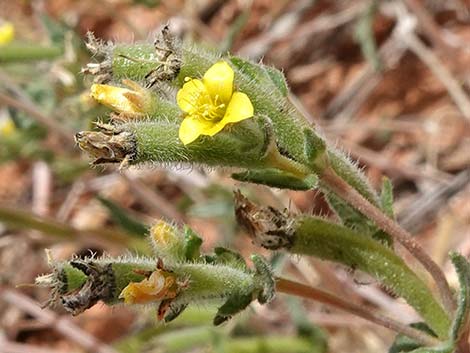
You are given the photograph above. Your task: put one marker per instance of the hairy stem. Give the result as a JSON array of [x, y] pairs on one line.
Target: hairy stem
[[348, 193], [300, 290]]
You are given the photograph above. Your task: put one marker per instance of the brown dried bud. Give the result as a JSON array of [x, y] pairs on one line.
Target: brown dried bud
[[100, 285], [267, 226], [111, 145]]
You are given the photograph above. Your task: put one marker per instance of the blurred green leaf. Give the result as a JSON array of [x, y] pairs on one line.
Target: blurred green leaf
[[121, 217]]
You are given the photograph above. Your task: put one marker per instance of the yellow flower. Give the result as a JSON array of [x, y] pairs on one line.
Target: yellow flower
[[163, 234], [7, 33], [210, 103], [158, 286], [133, 102]]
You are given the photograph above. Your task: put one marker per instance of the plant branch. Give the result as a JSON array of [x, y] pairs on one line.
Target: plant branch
[[301, 290], [349, 194]]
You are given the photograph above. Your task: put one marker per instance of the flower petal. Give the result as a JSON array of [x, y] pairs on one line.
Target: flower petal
[[188, 96], [218, 81], [192, 127], [239, 108], [114, 98]]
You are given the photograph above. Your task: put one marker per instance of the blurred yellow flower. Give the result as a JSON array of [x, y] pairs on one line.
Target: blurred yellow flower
[[163, 233], [210, 103], [7, 33], [7, 127], [134, 101]]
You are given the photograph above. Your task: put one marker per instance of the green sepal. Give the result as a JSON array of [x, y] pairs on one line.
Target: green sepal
[[276, 178], [133, 61], [315, 150], [278, 78], [229, 257], [461, 322], [120, 216], [174, 311], [386, 197], [72, 278], [192, 244], [268, 77], [234, 304], [264, 275]]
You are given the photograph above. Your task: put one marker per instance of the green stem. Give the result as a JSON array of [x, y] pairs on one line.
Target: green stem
[[15, 52], [328, 241]]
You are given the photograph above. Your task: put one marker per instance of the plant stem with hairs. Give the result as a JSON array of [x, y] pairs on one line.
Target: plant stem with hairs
[[348, 193]]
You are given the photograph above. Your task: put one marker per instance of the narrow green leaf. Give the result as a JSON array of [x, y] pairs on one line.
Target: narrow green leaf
[[121, 217], [386, 197], [329, 241], [461, 323], [364, 34], [277, 179], [232, 306]]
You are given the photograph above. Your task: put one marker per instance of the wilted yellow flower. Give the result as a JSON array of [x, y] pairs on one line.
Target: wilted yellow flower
[[210, 103], [158, 286], [133, 102], [7, 33]]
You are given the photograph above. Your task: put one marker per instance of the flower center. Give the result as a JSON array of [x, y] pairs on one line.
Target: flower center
[[210, 108]]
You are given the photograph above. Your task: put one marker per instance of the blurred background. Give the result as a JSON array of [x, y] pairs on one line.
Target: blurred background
[[387, 81]]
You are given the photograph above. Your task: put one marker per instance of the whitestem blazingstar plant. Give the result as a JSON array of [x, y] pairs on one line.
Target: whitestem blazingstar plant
[[186, 104]]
